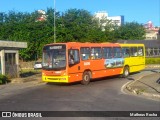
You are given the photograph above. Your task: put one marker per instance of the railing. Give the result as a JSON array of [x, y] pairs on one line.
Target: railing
[[152, 52]]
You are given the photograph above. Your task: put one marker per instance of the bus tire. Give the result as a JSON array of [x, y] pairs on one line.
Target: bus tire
[[125, 72], [86, 78]]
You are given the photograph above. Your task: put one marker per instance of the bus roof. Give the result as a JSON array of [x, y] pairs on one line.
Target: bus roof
[[88, 44], [129, 45], [85, 44]]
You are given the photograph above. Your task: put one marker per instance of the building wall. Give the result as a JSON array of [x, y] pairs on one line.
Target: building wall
[[151, 35], [101, 14], [119, 20], [9, 57]]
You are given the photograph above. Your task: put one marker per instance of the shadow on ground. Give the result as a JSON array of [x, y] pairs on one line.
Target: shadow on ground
[[28, 74]]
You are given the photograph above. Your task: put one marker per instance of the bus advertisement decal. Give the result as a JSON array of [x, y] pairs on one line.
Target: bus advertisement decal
[[114, 63]]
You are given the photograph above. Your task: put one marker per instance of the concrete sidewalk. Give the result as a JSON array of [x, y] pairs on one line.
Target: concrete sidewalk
[[37, 78], [146, 84]]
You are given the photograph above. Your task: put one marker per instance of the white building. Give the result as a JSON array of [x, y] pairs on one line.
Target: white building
[[118, 20], [151, 31], [42, 16]]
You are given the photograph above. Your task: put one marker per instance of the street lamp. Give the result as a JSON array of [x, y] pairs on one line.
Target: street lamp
[[54, 21]]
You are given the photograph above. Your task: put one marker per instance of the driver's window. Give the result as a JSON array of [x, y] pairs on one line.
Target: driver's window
[[73, 56]]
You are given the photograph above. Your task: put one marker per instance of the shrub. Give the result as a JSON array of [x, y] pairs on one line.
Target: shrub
[[3, 79], [152, 60]]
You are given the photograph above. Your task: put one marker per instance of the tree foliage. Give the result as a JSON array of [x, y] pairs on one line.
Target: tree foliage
[[130, 31], [72, 25]]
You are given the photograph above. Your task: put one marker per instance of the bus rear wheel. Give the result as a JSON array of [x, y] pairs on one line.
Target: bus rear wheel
[[125, 72], [86, 78]]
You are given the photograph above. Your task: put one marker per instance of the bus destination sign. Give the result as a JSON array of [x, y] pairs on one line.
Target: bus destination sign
[[55, 47]]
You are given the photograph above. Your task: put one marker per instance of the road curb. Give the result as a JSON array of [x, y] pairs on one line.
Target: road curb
[[141, 92], [152, 66], [137, 91]]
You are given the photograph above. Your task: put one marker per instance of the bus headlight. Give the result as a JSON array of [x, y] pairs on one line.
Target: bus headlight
[[43, 74], [64, 73]]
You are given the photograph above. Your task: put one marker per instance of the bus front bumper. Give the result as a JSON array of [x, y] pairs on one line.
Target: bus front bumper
[[57, 79]]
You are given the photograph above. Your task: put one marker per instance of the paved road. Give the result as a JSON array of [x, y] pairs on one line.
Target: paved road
[[104, 95]]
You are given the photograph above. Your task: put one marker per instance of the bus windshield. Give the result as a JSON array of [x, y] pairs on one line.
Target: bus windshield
[[54, 57]]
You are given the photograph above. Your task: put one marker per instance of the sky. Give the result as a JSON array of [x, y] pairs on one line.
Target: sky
[[140, 11]]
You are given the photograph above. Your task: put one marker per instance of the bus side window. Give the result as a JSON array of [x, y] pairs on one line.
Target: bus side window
[[96, 53], [107, 52], [134, 52], [85, 53], [117, 52], [126, 52], [140, 51]]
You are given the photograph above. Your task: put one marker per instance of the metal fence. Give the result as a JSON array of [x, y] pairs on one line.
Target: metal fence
[[152, 52]]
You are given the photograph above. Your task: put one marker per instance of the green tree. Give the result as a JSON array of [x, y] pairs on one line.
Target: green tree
[[130, 31], [76, 25], [71, 25]]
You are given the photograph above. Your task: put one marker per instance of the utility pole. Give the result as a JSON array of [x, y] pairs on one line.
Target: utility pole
[[54, 21]]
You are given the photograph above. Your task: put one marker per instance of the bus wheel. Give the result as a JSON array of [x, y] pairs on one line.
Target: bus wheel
[[126, 71], [86, 78]]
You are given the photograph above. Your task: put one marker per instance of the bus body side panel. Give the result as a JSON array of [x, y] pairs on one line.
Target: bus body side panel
[[74, 73], [96, 67], [141, 61], [106, 73], [99, 69], [135, 63]]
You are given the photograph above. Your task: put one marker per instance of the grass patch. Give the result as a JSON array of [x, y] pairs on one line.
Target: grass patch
[[140, 91], [152, 60]]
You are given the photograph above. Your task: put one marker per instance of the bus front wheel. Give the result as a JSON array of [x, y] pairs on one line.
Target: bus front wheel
[[126, 71], [86, 78]]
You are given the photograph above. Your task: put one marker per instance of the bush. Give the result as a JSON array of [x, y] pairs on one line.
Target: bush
[[3, 79], [152, 60]]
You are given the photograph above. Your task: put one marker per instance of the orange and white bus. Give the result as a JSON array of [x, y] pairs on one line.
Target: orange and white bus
[[74, 61]]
